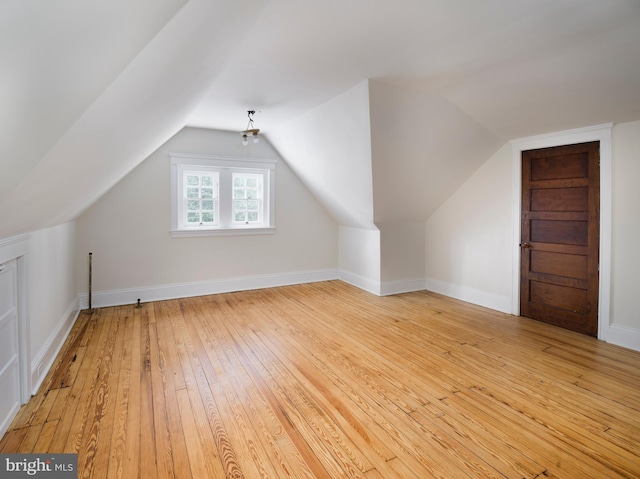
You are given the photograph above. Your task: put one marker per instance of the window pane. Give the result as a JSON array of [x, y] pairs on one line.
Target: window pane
[[239, 205], [207, 205], [252, 183], [206, 192], [193, 180], [252, 194], [252, 216], [193, 192], [240, 216], [207, 217], [238, 181], [207, 181], [193, 205], [253, 205], [238, 193], [193, 217]]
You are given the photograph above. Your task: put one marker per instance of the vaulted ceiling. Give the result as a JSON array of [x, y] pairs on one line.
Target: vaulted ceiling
[[427, 89]]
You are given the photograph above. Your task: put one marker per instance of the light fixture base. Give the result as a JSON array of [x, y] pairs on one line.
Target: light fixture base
[[250, 131]]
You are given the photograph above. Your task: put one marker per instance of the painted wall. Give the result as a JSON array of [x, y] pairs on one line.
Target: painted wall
[[468, 239], [51, 280], [329, 148], [423, 148], [402, 258], [127, 230], [359, 257], [47, 296], [626, 225]]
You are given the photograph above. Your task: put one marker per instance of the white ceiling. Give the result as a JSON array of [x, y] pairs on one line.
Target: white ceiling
[[519, 67], [56, 57], [70, 67]]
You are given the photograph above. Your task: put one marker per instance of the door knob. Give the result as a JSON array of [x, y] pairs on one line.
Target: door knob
[[525, 245]]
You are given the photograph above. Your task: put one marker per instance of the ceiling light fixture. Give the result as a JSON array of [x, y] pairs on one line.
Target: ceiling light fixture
[[250, 132]]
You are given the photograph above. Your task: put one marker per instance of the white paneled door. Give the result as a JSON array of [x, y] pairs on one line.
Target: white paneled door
[[9, 357]]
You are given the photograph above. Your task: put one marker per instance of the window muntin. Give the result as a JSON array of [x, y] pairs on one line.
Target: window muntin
[[219, 196]]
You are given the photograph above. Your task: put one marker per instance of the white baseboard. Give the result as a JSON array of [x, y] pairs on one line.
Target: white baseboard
[[624, 336], [43, 361], [404, 286], [470, 295], [119, 297], [361, 282]]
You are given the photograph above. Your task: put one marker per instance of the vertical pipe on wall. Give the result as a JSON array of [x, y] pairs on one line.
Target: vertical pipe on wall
[[90, 280]]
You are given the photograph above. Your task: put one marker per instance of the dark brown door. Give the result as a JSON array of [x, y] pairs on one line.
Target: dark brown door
[[560, 236]]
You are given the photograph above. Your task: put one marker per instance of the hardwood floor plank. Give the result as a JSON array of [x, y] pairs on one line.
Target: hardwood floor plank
[[234, 435], [30, 439], [234, 381], [323, 380], [118, 440], [130, 460], [504, 457], [149, 460], [203, 410], [43, 443], [58, 407], [304, 372], [171, 379], [71, 424], [101, 409], [395, 433], [12, 439]]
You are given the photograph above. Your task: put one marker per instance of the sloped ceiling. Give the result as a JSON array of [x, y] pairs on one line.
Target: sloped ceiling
[[56, 58], [89, 88], [147, 103]]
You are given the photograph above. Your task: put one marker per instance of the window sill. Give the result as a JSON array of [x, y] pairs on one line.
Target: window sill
[[221, 232]]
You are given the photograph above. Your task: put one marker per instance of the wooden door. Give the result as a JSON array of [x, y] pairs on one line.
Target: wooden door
[[9, 358], [560, 231]]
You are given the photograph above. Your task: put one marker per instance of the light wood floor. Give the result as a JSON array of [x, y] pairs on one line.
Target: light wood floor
[[327, 381]]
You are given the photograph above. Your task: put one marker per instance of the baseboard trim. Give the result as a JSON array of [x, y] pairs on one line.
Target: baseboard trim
[[403, 286], [624, 336], [120, 297], [470, 295], [44, 360], [361, 282]]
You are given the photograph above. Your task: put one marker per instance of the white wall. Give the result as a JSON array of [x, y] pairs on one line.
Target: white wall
[[359, 257], [329, 148], [51, 282], [127, 231], [48, 300], [468, 239], [423, 148], [626, 226], [402, 258]]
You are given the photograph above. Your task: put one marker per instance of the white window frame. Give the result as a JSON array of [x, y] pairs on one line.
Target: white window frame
[[225, 167]]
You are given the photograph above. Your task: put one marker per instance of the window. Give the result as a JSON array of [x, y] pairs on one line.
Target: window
[[221, 196]]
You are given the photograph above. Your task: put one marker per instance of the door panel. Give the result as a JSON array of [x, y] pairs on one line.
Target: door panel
[[560, 199], [9, 359], [556, 296], [559, 232], [560, 236], [559, 264], [559, 166]]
